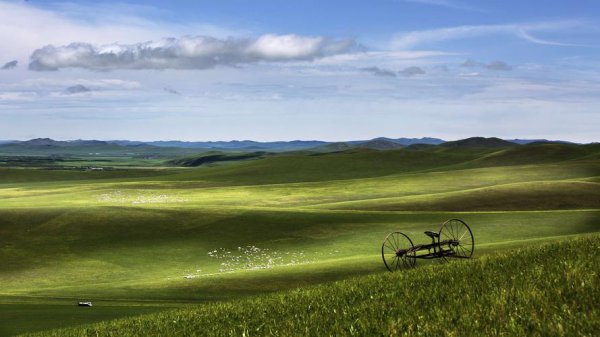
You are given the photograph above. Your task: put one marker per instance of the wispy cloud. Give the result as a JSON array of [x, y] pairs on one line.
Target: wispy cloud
[[444, 3], [412, 39], [191, 52], [525, 35]]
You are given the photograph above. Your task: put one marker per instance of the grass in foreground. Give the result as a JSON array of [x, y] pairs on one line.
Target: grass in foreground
[[548, 290]]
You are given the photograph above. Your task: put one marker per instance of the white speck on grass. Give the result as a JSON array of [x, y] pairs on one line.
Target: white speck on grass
[[253, 258], [140, 197]]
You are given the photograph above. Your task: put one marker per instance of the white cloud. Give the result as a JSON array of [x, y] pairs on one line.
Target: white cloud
[[190, 52], [26, 27], [412, 39]]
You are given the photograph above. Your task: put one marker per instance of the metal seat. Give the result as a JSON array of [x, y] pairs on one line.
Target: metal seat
[[431, 234]]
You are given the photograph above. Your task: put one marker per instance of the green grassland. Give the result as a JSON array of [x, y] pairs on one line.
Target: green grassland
[[549, 290], [146, 239]]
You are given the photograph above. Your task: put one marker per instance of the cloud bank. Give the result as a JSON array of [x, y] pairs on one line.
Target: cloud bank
[[191, 52]]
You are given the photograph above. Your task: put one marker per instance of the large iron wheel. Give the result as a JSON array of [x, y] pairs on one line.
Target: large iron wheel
[[456, 239], [397, 251]]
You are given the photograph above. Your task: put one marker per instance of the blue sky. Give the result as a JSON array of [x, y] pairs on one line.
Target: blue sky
[[282, 70]]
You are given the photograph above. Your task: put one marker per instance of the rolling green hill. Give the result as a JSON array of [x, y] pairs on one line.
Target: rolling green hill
[[139, 240], [550, 289]]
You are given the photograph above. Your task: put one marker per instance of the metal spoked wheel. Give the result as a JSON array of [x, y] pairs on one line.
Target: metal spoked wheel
[[456, 236], [397, 251]]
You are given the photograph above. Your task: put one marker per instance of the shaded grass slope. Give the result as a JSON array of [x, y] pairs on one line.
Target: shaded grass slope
[[539, 153], [549, 290], [541, 195], [215, 157], [365, 163]]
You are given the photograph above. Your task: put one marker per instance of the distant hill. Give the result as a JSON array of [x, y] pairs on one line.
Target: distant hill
[[529, 141], [59, 143], [403, 141], [232, 145], [332, 147], [380, 144], [45, 146], [50, 147], [42, 142], [374, 144], [424, 140], [478, 142]]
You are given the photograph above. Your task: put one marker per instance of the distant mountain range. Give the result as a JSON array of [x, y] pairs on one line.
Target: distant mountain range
[[238, 145], [125, 146]]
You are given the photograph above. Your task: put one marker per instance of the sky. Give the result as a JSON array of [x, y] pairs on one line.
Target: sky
[[283, 70]]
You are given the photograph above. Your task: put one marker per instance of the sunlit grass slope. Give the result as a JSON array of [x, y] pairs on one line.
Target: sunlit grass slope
[[171, 235], [550, 289]]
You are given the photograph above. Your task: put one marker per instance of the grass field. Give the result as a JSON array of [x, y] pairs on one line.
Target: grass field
[[544, 289], [142, 240]]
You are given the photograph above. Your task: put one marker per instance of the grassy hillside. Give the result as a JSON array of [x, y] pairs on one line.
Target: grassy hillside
[[212, 157], [550, 289], [166, 237]]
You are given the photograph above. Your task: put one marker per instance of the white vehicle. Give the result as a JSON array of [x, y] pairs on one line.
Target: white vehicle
[[84, 304]]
